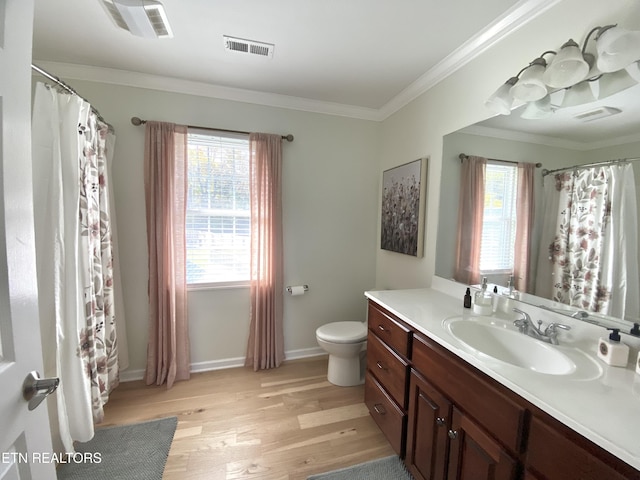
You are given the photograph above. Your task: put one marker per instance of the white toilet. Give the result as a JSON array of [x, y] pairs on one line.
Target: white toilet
[[346, 343]]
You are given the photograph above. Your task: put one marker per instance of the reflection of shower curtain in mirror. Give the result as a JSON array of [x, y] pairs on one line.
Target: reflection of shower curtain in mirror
[[74, 260], [589, 257]]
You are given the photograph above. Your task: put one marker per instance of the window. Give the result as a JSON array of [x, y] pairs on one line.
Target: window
[[218, 229], [499, 222]]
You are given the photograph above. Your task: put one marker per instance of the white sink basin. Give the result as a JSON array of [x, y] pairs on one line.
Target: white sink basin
[[499, 340]]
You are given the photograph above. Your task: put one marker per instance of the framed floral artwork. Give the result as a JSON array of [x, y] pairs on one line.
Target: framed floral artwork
[[403, 206]]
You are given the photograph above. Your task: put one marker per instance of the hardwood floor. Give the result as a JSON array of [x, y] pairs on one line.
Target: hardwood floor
[[285, 423]]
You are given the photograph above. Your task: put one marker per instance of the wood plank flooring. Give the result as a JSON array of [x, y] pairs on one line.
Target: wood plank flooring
[[281, 424]]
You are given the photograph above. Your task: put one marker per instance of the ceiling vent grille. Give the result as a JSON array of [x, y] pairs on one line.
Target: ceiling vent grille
[[143, 18], [597, 113], [251, 47]]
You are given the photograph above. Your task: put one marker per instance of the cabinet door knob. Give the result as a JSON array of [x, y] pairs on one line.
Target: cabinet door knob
[[379, 409], [453, 434], [441, 421], [380, 366]]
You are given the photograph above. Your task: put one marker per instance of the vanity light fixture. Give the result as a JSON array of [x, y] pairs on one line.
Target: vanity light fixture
[[567, 68], [614, 82], [578, 94], [501, 100], [539, 109], [571, 68], [530, 86], [616, 48]]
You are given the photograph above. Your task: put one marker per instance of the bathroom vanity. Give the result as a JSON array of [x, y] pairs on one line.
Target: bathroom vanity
[[453, 412]]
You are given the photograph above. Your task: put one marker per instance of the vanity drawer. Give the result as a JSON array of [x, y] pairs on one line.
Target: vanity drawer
[[556, 452], [499, 415], [389, 417], [388, 367], [390, 331]]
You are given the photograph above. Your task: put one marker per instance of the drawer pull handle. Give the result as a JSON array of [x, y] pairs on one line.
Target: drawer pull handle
[[380, 366], [379, 409], [453, 434], [441, 421], [381, 327]]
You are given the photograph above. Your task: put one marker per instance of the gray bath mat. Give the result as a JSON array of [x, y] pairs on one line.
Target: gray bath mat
[[388, 468], [122, 453]]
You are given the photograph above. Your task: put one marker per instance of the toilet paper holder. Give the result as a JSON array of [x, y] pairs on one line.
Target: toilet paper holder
[[305, 287]]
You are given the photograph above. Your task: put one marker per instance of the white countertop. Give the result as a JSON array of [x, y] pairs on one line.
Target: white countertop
[[603, 407]]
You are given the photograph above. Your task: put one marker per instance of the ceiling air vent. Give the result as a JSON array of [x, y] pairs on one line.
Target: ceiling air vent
[[143, 18], [240, 45], [600, 112]]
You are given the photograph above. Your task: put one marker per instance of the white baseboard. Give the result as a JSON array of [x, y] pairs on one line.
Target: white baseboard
[[134, 375]]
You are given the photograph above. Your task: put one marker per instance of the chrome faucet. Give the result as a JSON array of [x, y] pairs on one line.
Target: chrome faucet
[[549, 334], [581, 314]]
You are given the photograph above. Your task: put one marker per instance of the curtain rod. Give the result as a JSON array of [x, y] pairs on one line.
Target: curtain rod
[[70, 90], [462, 156], [546, 172], [138, 121]]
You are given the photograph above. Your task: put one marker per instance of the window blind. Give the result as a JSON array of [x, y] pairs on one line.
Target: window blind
[[218, 208], [499, 222]]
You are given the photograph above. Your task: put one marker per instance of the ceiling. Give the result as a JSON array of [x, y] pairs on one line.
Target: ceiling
[[363, 54]]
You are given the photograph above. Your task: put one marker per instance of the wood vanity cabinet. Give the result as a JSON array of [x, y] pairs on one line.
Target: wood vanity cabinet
[[443, 440], [386, 381], [454, 422]]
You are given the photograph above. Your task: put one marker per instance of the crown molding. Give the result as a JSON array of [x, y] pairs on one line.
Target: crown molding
[[546, 140], [175, 85], [513, 19], [517, 136]]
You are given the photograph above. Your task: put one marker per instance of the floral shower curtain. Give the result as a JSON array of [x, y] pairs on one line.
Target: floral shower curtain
[[75, 261], [589, 257]]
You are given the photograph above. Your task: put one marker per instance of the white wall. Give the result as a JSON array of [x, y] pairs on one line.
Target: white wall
[[330, 196], [458, 101]]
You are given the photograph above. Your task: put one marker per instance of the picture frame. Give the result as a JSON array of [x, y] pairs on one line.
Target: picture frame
[[403, 208]]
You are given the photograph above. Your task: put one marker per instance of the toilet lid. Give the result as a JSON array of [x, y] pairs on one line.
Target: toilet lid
[[343, 332]]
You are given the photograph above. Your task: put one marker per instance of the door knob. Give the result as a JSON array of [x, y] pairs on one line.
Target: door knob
[[36, 389]]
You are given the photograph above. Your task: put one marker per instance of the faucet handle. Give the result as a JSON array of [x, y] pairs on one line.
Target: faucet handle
[[552, 328], [522, 323], [525, 315]]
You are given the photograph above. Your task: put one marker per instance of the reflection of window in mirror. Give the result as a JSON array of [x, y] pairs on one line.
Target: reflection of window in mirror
[[499, 220], [494, 221]]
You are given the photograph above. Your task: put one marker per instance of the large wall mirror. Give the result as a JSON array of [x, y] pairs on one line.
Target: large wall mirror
[[575, 135]]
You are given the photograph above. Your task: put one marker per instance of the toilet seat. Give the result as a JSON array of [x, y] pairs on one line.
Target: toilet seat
[[342, 332]]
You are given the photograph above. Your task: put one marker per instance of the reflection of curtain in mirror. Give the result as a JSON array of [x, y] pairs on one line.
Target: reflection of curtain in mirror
[[471, 216], [589, 256], [524, 225], [471, 210]]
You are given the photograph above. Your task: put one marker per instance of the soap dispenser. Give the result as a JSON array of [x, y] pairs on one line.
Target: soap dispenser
[[612, 351], [512, 292], [482, 300]]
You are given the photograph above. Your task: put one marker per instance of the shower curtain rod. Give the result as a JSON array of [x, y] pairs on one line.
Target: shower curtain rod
[[546, 172], [70, 90], [462, 156], [137, 121]]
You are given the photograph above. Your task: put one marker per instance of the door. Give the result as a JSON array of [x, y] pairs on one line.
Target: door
[[25, 439], [429, 423], [474, 454]]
